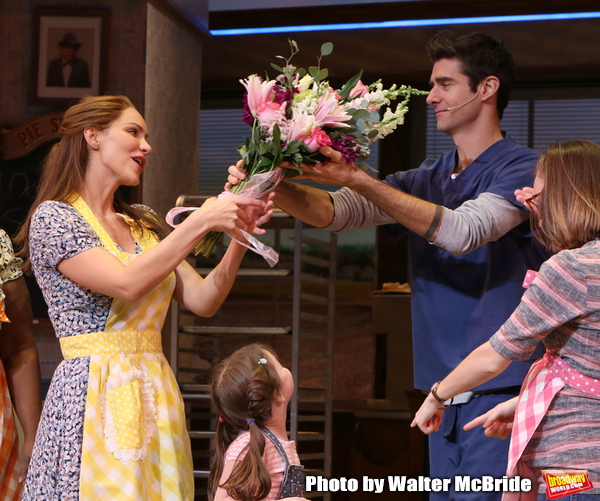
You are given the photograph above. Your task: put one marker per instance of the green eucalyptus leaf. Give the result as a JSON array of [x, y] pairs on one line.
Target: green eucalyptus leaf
[[322, 75], [326, 48], [277, 68], [360, 125], [375, 117], [301, 72], [313, 70], [361, 115]]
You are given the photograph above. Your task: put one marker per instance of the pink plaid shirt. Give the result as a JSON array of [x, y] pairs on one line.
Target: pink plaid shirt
[[543, 381]]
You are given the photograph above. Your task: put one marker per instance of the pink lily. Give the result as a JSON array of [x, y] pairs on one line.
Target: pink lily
[[258, 91], [329, 112]]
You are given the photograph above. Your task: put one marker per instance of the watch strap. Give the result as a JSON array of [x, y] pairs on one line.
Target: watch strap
[[434, 392]]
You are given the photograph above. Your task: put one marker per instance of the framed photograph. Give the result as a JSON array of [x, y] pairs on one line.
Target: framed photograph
[[68, 55]]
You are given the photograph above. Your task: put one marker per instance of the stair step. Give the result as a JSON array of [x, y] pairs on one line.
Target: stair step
[[201, 434], [311, 456], [310, 436], [195, 396], [202, 330], [252, 272], [188, 387]]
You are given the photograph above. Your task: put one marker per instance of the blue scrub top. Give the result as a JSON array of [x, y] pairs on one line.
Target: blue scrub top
[[458, 302]]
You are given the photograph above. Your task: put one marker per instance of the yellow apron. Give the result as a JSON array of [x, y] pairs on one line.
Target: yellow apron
[[135, 443]]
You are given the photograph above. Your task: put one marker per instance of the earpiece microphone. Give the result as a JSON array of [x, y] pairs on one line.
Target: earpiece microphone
[[452, 108]]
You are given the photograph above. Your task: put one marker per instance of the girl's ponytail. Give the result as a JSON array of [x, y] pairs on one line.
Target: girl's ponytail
[[250, 479], [242, 389]]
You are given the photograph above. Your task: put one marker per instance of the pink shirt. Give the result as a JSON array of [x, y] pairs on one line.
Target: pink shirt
[[275, 463]]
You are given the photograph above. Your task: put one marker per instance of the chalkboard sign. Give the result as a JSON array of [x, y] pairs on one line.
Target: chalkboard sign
[[22, 152]]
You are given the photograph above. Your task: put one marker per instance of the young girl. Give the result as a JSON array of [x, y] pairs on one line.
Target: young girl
[[557, 414], [253, 458]]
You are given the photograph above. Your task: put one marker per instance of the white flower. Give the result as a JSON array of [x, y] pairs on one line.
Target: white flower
[[304, 83]]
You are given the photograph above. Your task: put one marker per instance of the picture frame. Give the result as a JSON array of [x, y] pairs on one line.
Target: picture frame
[[70, 54]]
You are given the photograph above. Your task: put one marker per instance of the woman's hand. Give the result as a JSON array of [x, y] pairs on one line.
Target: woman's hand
[[231, 214], [429, 417], [25, 457], [498, 422]]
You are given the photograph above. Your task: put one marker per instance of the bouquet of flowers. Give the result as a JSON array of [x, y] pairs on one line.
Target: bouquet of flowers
[[297, 112]]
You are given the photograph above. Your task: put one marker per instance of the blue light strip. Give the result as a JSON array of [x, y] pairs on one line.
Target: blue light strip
[[409, 23]]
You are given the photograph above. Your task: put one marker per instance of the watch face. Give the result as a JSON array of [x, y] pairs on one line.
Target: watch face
[[434, 392]]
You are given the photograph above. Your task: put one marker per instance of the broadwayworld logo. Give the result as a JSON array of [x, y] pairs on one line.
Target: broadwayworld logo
[[561, 483]]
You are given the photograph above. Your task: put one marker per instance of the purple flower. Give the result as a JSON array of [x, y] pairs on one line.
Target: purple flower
[[283, 95], [247, 114], [347, 147]]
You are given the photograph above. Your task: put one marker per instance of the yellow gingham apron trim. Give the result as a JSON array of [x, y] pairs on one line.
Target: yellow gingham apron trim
[[145, 239], [110, 343]]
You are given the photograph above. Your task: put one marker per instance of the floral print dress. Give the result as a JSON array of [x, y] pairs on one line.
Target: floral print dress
[[82, 449]]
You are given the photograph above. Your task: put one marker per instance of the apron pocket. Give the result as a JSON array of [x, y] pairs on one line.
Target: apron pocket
[[126, 408], [129, 414]]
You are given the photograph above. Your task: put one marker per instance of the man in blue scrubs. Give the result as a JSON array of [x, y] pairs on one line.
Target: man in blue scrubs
[[470, 244]]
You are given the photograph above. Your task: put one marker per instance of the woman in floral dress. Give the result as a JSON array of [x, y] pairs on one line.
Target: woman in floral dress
[[113, 424], [19, 373]]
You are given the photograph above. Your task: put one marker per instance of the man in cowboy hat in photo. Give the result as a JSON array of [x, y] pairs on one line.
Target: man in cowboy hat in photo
[[68, 70]]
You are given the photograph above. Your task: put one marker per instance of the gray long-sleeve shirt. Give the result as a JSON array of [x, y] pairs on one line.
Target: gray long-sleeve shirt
[[471, 225]]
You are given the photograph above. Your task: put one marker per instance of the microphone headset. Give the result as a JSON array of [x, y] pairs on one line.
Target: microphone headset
[[453, 108]]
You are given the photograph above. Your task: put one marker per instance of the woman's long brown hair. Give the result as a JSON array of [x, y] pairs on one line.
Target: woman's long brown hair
[[65, 167], [243, 389]]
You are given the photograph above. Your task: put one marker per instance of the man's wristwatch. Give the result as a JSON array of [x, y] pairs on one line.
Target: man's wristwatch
[[434, 392]]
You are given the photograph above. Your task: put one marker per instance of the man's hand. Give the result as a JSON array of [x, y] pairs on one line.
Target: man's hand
[[523, 194], [334, 170], [236, 174]]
